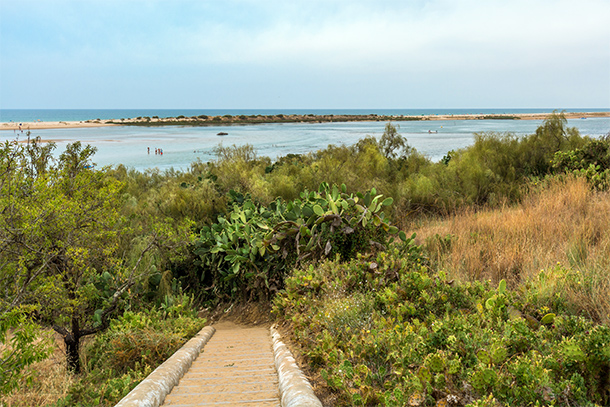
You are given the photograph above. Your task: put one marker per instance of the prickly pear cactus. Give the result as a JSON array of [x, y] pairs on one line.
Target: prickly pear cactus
[[484, 357], [436, 363], [498, 354]]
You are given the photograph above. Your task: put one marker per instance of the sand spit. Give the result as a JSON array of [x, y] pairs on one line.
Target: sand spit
[[519, 116], [52, 125], [281, 118]]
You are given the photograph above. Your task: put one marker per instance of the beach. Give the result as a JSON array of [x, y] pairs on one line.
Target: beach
[[520, 116], [223, 120], [51, 125]]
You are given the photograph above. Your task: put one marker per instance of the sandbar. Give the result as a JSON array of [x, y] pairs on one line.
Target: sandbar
[[519, 116], [52, 125], [227, 120]]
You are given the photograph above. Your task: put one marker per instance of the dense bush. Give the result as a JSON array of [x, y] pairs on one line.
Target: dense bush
[[592, 160], [246, 254], [491, 171], [139, 339], [387, 330], [134, 345]]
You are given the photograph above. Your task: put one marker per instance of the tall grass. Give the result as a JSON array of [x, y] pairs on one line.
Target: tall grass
[[561, 228], [44, 383]]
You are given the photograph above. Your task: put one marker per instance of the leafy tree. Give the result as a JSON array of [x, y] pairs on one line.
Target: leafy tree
[[392, 144], [60, 229], [18, 333], [537, 150]]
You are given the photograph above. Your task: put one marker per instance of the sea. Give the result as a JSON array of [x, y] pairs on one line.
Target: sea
[[134, 146]]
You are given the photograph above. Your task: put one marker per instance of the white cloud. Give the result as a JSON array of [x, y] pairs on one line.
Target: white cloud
[[454, 34], [361, 49]]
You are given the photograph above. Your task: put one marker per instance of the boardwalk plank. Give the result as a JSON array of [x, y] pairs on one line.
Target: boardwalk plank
[[236, 368]]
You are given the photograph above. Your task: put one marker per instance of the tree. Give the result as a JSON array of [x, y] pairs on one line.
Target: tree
[[538, 149], [392, 144], [60, 229], [18, 334]]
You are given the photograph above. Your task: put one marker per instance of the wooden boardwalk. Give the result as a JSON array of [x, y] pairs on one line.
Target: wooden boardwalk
[[236, 368]]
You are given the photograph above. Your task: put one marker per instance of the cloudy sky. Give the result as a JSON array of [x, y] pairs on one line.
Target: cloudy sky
[[304, 54]]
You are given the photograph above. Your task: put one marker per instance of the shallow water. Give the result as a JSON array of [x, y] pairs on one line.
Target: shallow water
[[183, 145]]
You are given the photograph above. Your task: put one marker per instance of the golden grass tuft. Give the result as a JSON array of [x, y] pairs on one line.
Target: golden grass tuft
[[563, 221], [49, 381]]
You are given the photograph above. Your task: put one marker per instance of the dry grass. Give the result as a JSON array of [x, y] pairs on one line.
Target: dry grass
[[49, 382], [561, 222]]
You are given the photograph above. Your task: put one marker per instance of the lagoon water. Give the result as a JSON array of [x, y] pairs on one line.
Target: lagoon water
[[183, 145]]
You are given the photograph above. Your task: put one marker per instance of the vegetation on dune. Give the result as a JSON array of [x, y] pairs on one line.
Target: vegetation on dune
[[250, 250], [114, 361], [561, 220], [203, 120], [70, 258], [388, 330], [66, 249], [500, 299]]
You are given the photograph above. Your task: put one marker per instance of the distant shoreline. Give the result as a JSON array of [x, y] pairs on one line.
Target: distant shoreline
[[226, 120]]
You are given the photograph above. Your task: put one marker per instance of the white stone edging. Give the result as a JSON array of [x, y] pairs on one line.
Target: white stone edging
[[151, 391], [295, 389]]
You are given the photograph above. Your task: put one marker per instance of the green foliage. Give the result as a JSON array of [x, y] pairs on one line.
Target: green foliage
[[20, 346], [145, 338], [172, 206], [102, 388], [491, 171], [329, 223], [552, 136], [132, 347], [234, 261], [59, 228], [570, 290], [387, 330], [592, 161], [65, 245], [491, 167], [392, 144], [382, 323], [235, 153], [247, 252]]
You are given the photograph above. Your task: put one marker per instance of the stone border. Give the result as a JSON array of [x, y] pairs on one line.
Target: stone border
[[295, 390], [151, 391]]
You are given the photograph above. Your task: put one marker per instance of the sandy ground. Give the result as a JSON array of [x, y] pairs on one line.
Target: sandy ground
[[522, 116], [100, 123], [51, 125]]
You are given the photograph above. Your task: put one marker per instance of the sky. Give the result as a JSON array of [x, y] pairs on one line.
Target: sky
[[281, 54]]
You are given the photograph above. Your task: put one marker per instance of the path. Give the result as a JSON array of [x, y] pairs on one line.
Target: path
[[236, 368]]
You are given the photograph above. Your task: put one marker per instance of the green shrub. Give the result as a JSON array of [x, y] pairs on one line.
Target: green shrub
[[140, 339], [22, 342], [247, 252], [386, 330], [591, 161], [133, 346]]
